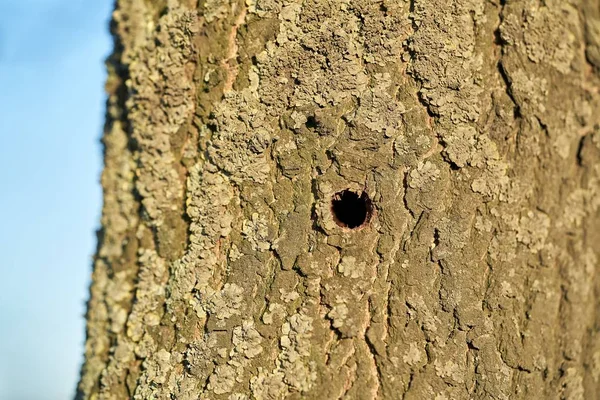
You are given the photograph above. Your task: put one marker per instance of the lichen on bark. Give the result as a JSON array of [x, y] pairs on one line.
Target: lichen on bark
[[472, 127]]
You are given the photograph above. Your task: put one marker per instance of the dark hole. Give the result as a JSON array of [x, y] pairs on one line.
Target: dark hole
[[351, 210], [311, 122]]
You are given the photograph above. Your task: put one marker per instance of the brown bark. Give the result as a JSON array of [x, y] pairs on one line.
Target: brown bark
[[330, 199]]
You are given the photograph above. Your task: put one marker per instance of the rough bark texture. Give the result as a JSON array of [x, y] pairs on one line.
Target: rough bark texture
[[474, 128]]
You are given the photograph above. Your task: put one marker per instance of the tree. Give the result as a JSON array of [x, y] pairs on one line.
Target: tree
[[349, 199]]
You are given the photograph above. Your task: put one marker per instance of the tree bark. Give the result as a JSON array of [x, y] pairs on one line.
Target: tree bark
[[359, 199]]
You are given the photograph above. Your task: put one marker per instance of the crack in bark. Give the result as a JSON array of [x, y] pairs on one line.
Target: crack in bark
[[232, 50], [499, 65], [373, 352]]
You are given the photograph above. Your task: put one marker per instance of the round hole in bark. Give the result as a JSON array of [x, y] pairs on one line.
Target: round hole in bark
[[350, 209]]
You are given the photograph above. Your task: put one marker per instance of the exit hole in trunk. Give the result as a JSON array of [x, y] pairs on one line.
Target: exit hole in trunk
[[350, 209]]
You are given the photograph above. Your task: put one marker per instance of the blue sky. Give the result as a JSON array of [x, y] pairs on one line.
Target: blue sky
[[51, 115]]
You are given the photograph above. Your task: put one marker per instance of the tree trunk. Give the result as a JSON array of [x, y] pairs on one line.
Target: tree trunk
[[349, 199]]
